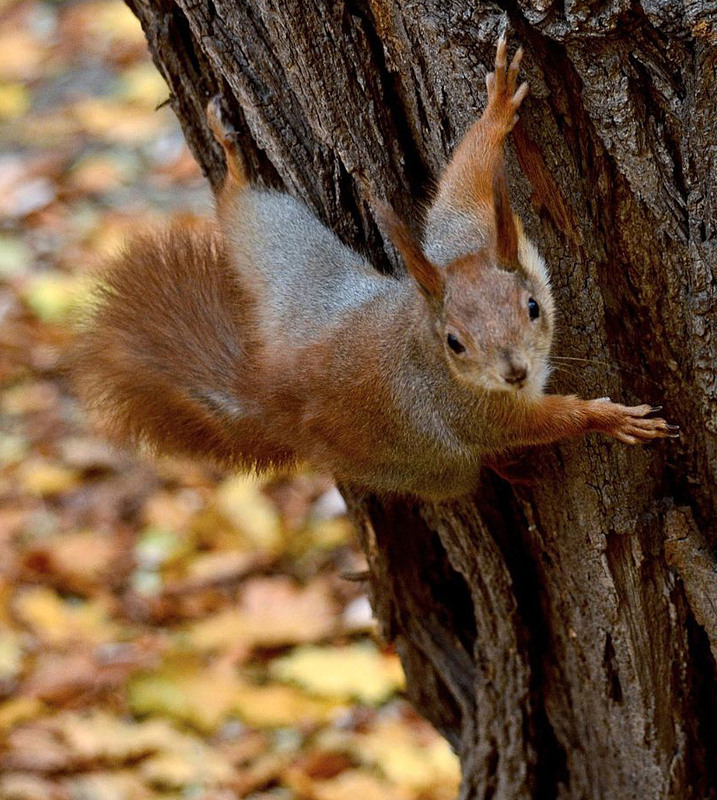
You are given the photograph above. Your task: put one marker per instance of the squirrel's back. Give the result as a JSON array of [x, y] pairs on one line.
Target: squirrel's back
[[305, 279], [169, 344]]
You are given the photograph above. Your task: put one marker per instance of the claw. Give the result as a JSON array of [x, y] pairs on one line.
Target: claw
[[501, 50], [655, 409], [519, 96], [514, 67]]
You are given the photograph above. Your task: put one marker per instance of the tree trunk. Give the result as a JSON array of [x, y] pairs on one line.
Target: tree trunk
[[562, 634]]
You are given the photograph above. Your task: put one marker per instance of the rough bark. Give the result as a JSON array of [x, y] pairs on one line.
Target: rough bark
[[561, 634]]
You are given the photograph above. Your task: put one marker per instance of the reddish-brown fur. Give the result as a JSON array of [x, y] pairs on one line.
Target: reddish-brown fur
[[171, 329], [199, 345]]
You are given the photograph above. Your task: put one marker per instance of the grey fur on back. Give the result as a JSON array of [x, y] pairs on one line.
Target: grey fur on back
[[289, 249]]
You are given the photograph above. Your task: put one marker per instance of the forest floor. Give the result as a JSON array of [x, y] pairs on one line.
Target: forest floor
[[165, 630]]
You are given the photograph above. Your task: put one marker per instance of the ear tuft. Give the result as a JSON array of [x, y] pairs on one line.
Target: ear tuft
[[506, 231], [428, 276]]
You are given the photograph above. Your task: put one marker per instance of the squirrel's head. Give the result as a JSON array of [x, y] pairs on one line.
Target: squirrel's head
[[492, 310]]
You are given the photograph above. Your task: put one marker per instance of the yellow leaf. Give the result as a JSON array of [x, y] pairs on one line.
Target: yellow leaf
[[115, 121], [14, 100], [58, 621], [356, 671], [395, 749], [52, 295], [143, 85], [240, 499], [17, 710], [29, 397], [10, 654], [188, 691], [44, 479], [113, 21], [325, 534], [196, 766], [277, 706]]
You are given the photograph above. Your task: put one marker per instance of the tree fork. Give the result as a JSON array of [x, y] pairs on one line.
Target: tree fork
[[560, 634]]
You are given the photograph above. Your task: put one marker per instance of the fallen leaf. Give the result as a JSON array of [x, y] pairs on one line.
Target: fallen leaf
[[57, 621], [10, 655], [277, 706], [63, 677], [357, 671], [90, 453], [354, 784], [186, 690], [15, 256], [143, 85], [394, 748], [98, 174], [193, 766], [14, 100], [33, 747], [217, 569], [21, 55], [101, 736], [159, 546], [45, 479], [78, 561], [52, 295], [29, 397], [17, 710], [240, 499], [272, 612], [261, 773], [112, 21], [24, 786], [122, 785], [110, 120]]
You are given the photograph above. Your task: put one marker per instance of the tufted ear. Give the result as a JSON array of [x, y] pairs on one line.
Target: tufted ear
[[506, 243], [428, 276]]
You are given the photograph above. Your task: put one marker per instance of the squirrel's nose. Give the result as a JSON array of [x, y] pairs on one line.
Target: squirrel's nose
[[515, 374]]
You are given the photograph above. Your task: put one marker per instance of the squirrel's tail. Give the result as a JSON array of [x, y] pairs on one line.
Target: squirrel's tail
[[166, 348]]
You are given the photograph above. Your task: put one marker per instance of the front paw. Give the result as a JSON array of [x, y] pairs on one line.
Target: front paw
[[631, 424], [503, 97]]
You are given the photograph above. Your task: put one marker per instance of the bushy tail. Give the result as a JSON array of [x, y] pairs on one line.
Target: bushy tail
[[163, 354]]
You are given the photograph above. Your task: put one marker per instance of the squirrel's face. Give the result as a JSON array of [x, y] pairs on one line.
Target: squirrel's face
[[492, 309], [495, 325]]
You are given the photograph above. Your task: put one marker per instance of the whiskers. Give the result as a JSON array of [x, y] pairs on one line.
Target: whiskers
[[570, 365]]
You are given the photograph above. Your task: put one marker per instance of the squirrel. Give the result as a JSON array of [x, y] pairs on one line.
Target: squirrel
[[259, 340]]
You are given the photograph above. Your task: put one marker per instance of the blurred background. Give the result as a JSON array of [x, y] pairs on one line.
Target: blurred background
[[166, 631]]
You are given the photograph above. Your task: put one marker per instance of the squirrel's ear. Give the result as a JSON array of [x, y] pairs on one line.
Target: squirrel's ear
[[428, 276], [506, 231]]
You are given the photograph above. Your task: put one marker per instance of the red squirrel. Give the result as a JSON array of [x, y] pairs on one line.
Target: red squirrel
[[262, 341]]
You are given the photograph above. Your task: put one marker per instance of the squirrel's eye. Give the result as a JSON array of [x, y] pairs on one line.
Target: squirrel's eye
[[455, 345], [533, 308]]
